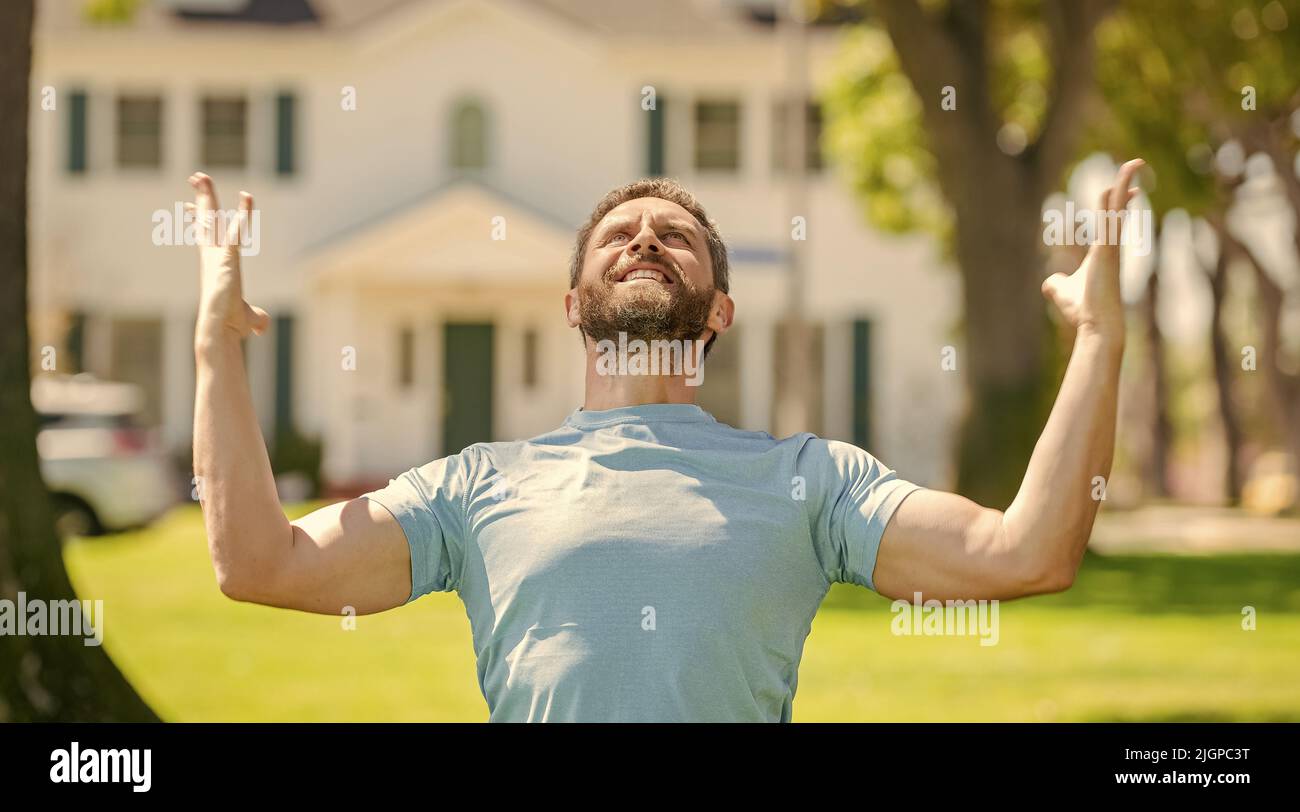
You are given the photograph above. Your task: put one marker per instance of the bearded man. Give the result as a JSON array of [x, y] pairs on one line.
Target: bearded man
[[644, 562]]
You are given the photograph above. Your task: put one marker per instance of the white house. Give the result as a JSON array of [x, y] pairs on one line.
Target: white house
[[387, 143]]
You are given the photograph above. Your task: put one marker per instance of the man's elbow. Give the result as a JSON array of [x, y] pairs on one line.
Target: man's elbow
[[237, 587], [1036, 568], [246, 584], [1050, 575], [253, 573], [1060, 578]]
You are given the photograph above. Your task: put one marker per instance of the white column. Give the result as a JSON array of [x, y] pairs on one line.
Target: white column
[[261, 379], [180, 132], [756, 135], [837, 380], [757, 375], [177, 379], [339, 387]]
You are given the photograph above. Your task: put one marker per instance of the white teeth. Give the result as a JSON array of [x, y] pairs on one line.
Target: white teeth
[[645, 273]]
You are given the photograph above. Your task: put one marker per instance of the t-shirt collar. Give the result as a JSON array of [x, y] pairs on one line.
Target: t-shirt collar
[[642, 413]]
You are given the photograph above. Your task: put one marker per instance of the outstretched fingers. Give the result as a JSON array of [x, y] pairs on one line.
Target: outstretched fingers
[[1113, 204], [205, 205], [1122, 191], [239, 225]]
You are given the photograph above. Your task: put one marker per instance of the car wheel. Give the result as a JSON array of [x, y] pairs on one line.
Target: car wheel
[[73, 517]]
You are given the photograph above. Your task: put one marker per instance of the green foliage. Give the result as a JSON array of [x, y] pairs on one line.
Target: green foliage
[[1172, 73], [110, 12], [874, 127], [873, 131], [1021, 69]]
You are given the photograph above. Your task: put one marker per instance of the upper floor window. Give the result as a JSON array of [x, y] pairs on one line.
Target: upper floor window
[[139, 131], [469, 135], [225, 131], [77, 101], [812, 149], [286, 133], [717, 135]]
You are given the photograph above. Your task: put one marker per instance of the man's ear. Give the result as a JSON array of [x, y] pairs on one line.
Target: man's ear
[[571, 308], [722, 314]]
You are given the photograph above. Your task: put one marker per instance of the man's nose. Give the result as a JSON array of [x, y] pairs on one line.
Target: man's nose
[[646, 242]]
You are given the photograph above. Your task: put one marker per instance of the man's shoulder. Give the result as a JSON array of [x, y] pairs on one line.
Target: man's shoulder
[[482, 458]]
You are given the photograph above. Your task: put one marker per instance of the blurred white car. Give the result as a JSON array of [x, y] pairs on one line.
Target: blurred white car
[[104, 471]]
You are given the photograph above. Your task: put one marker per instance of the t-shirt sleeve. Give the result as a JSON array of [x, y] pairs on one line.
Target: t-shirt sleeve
[[430, 504], [851, 497]]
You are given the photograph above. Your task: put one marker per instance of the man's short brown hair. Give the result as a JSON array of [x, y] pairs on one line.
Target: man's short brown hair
[[665, 189]]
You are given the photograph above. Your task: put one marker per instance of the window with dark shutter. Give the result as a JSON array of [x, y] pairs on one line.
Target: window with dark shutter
[[77, 132], [139, 132], [225, 131], [656, 146], [862, 383], [283, 374], [285, 133], [717, 135]]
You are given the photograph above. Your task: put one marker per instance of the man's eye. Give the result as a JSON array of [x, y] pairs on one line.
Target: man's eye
[[617, 237], [679, 235]]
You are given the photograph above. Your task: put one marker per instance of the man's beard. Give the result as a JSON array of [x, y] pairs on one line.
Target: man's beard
[[649, 312]]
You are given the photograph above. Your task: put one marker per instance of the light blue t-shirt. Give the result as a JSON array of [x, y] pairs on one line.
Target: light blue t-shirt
[[645, 563]]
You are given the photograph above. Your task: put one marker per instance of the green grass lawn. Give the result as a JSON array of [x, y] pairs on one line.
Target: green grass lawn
[[1137, 638]]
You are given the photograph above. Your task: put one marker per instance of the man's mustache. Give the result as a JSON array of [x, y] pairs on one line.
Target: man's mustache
[[628, 260]]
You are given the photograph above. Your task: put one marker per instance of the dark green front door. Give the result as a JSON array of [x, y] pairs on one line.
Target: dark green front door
[[467, 386]]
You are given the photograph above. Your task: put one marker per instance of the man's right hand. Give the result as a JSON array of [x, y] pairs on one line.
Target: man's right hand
[[346, 556], [221, 297]]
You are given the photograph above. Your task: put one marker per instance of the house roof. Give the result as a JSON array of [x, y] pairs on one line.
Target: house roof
[[675, 18], [264, 12], [465, 232]]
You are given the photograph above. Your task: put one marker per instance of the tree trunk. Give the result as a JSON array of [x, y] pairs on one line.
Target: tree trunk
[[1010, 345], [42, 677], [1283, 385], [1011, 352], [1224, 365], [1156, 468]]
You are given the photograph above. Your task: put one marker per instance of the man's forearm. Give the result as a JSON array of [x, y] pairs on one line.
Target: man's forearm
[[248, 534], [1053, 513]]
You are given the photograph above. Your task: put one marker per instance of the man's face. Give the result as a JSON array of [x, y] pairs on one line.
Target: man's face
[[647, 273]]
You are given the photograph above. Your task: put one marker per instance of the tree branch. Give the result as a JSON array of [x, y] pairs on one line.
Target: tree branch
[[934, 54], [1286, 386], [1071, 26]]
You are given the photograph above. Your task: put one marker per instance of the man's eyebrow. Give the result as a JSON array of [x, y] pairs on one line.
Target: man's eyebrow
[[610, 225], [684, 225], [677, 224]]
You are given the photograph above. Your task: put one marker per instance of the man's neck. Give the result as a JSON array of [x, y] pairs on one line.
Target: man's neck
[[612, 391]]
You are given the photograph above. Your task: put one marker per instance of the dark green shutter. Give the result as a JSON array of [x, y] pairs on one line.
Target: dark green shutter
[[76, 343], [862, 383], [77, 131], [285, 129], [655, 141], [283, 374]]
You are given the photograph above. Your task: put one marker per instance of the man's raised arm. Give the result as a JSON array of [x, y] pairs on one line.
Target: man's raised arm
[[947, 547], [348, 554]]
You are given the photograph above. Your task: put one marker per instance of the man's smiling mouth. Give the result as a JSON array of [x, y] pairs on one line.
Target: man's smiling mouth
[[645, 272]]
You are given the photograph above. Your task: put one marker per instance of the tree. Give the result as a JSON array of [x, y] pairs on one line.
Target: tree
[[989, 111], [1219, 82], [45, 677]]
